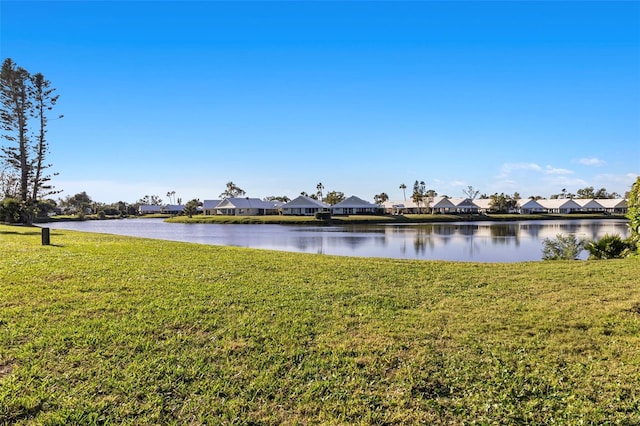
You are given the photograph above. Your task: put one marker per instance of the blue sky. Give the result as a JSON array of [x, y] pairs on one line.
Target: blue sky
[[165, 96]]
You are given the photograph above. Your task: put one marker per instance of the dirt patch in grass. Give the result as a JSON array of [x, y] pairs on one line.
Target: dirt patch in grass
[[635, 309], [6, 368]]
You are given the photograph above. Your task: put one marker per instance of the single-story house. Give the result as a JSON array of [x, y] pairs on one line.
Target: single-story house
[[149, 209], [464, 205], [441, 205], [483, 204], [247, 207], [396, 207], [589, 205], [613, 205], [355, 205], [173, 209], [304, 206], [209, 206], [560, 205], [529, 206]]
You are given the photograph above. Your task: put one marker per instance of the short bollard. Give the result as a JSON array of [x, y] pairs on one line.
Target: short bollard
[[45, 237]]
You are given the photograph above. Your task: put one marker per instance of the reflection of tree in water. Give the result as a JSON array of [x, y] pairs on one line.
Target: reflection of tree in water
[[420, 244], [531, 229], [443, 229], [305, 244], [353, 242], [422, 238], [504, 233], [467, 229]]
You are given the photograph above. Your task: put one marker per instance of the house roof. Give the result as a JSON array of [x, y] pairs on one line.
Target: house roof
[[354, 202], [246, 203], [305, 202], [400, 204], [556, 203], [441, 203], [610, 203], [173, 207], [149, 208], [210, 204], [463, 202], [529, 204], [483, 203], [588, 203]]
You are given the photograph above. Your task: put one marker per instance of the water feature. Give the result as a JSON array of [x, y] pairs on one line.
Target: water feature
[[461, 241]]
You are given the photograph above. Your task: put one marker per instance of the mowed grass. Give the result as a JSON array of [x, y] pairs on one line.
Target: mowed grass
[[100, 329]]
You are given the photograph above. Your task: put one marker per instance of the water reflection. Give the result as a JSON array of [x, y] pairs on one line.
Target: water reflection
[[465, 241]]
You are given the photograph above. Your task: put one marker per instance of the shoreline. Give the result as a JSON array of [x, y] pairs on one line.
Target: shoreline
[[348, 220]]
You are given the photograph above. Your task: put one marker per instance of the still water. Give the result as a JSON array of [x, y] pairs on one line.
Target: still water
[[460, 241]]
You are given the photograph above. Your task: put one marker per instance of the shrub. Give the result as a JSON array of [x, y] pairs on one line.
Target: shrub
[[633, 214], [609, 247], [563, 247], [10, 210], [323, 215]]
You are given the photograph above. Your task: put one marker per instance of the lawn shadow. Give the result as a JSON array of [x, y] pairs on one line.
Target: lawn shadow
[[33, 230], [28, 231]]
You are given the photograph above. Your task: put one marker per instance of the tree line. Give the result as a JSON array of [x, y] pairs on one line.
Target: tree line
[[26, 100]]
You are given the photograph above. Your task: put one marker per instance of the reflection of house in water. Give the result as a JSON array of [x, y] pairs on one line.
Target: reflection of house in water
[[589, 230]]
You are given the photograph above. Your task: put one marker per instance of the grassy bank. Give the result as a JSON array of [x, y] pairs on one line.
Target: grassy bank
[[363, 219], [109, 330]]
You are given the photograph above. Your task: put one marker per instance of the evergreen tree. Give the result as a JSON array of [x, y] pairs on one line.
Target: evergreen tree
[[23, 97], [16, 106], [45, 100]]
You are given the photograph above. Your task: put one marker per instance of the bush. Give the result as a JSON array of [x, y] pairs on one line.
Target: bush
[[10, 210], [323, 215], [563, 247], [609, 247]]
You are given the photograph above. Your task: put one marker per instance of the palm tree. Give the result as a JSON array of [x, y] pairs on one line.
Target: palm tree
[[403, 187], [232, 191], [319, 187], [380, 198]]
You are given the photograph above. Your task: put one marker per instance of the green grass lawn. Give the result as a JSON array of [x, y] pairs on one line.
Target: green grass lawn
[[100, 329]]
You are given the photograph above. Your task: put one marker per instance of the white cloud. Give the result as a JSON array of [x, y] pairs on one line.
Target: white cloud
[[592, 161], [556, 171], [508, 168], [558, 181], [619, 183]]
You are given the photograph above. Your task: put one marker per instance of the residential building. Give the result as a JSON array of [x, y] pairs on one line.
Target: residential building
[[247, 207], [355, 205], [304, 206]]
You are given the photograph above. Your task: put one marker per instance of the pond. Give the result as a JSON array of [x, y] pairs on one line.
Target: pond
[[460, 241]]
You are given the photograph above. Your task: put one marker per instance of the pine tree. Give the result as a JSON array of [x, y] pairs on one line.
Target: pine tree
[[45, 100], [16, 105], [25, 100]]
